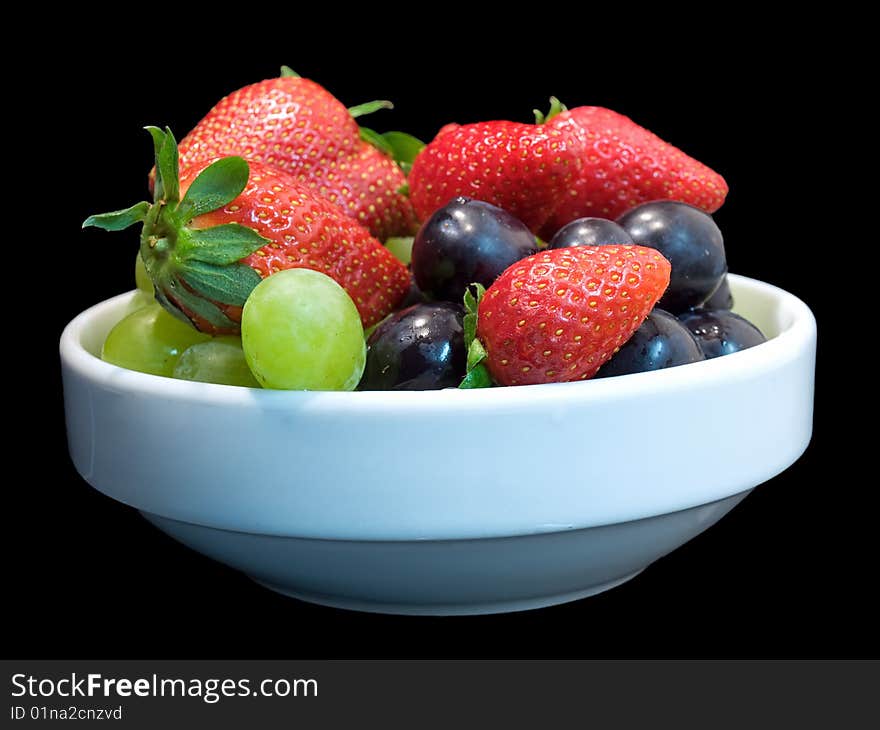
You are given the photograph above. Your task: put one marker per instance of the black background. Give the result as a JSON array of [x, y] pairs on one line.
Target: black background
[[785, 574]]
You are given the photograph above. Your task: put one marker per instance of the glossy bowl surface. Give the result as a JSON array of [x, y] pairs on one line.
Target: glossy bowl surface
[[445, 501]]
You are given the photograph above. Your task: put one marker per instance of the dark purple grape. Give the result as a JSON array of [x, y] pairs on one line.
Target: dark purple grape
[[691, 242], [660, 342], [721, 299], [419, 348], [590, 232], [414, 295], [464, 242], [720, 332]]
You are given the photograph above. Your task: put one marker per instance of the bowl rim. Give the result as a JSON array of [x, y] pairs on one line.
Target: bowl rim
[[797, 330]]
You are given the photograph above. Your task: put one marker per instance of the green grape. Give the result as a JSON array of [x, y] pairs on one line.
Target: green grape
[[373, 327], [301, 331], [149, 340], [220, 360], [401, 248], [141, 277], [139, 300]]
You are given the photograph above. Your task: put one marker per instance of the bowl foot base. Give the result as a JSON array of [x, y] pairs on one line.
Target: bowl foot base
[[448, 609]]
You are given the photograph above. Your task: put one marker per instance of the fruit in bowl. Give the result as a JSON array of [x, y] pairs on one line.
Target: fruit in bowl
[[541, 297]]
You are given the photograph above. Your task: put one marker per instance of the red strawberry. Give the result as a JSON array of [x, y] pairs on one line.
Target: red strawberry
[[367, 185], [296, 125], [558, 315], [216, 230], [623, 165], [602, 165], [524, 168]]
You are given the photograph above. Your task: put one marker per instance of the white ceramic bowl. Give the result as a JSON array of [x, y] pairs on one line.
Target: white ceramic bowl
[[445, 502]]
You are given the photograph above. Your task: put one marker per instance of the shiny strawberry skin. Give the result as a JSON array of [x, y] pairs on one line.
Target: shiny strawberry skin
[[524, 168], [367, 186], [297, 126], [307, 231], [623, 165], [558, 315], [602, 165]]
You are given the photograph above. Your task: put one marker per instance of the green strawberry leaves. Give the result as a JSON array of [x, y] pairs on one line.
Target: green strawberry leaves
[[231, 284], [194, 303], [288, 72], [476, 354], [399, 146], [377, 140], [217, 185], [477, 375], [368, 135], [471, 305], [404, 148], [167, 165], [556, 107], [369, 107], [194, 271], [477, 378], [119, 219], [220, 245]]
